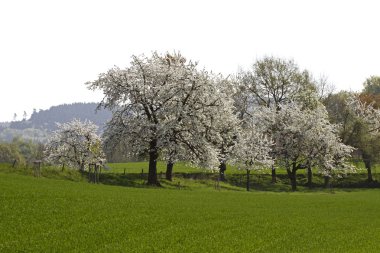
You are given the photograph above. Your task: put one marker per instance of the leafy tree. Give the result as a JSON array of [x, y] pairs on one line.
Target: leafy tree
[[21, 151], [371, 92], [160, 102], [115, 151], [358, 119], [305, 137], [28, 149], [251, 150], [274, 82], [76, 144], [370, 98], [9, 153], [372, 85], [364, 131]]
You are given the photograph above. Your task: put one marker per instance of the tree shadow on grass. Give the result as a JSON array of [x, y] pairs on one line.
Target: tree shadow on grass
[[261, 182], [193, 180], [127, 180], [138, 180]]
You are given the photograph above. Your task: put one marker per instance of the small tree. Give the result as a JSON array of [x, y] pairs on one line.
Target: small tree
[[10, 153], [325, 150], [252, 150], [29, 150], [76, 144]]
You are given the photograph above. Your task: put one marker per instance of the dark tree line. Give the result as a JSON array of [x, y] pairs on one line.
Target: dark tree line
[[46, 119]]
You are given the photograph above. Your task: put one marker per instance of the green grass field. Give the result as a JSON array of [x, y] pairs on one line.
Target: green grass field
[[71, 215]]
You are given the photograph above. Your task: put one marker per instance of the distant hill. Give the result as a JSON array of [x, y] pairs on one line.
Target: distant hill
[[47, 119], [42, 122]]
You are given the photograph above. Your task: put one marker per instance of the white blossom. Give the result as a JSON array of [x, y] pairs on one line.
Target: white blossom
[[75, 144], [164, 104], [303, 136], [252, 148]]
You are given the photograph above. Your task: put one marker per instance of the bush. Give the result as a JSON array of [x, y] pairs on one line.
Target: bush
[[10, 153]]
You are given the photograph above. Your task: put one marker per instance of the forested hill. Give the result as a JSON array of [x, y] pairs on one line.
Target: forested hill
[[47, 119]]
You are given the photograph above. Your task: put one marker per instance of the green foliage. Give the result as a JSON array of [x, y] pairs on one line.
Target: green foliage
[[30, 150], [356, 130], [10, 153], [337, 108], [372, 85], [23, 151], [54, 215]]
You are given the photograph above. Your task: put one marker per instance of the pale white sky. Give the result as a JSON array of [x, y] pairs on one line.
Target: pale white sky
[[49, 49]]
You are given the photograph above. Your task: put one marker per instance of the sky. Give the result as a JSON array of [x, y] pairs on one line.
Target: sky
[[49, 49]]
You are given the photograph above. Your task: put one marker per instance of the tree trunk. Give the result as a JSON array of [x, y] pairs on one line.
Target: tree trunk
[[309, 175], [274, 180], [294, 181], [153, 156], [222, 169], [89, 173], [81, 167], [327, 182], [169, 170], [248, 181], [292, 173], [367, 164], [97, 169]]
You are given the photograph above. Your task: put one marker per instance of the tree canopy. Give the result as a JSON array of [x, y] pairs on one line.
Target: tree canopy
[[164, 102], [75, 144]]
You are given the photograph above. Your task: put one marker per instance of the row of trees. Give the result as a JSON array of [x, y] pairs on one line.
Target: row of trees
[[271, 115]]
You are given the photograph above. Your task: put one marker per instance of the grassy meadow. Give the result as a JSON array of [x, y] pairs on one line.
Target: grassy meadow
[[62, 212]]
